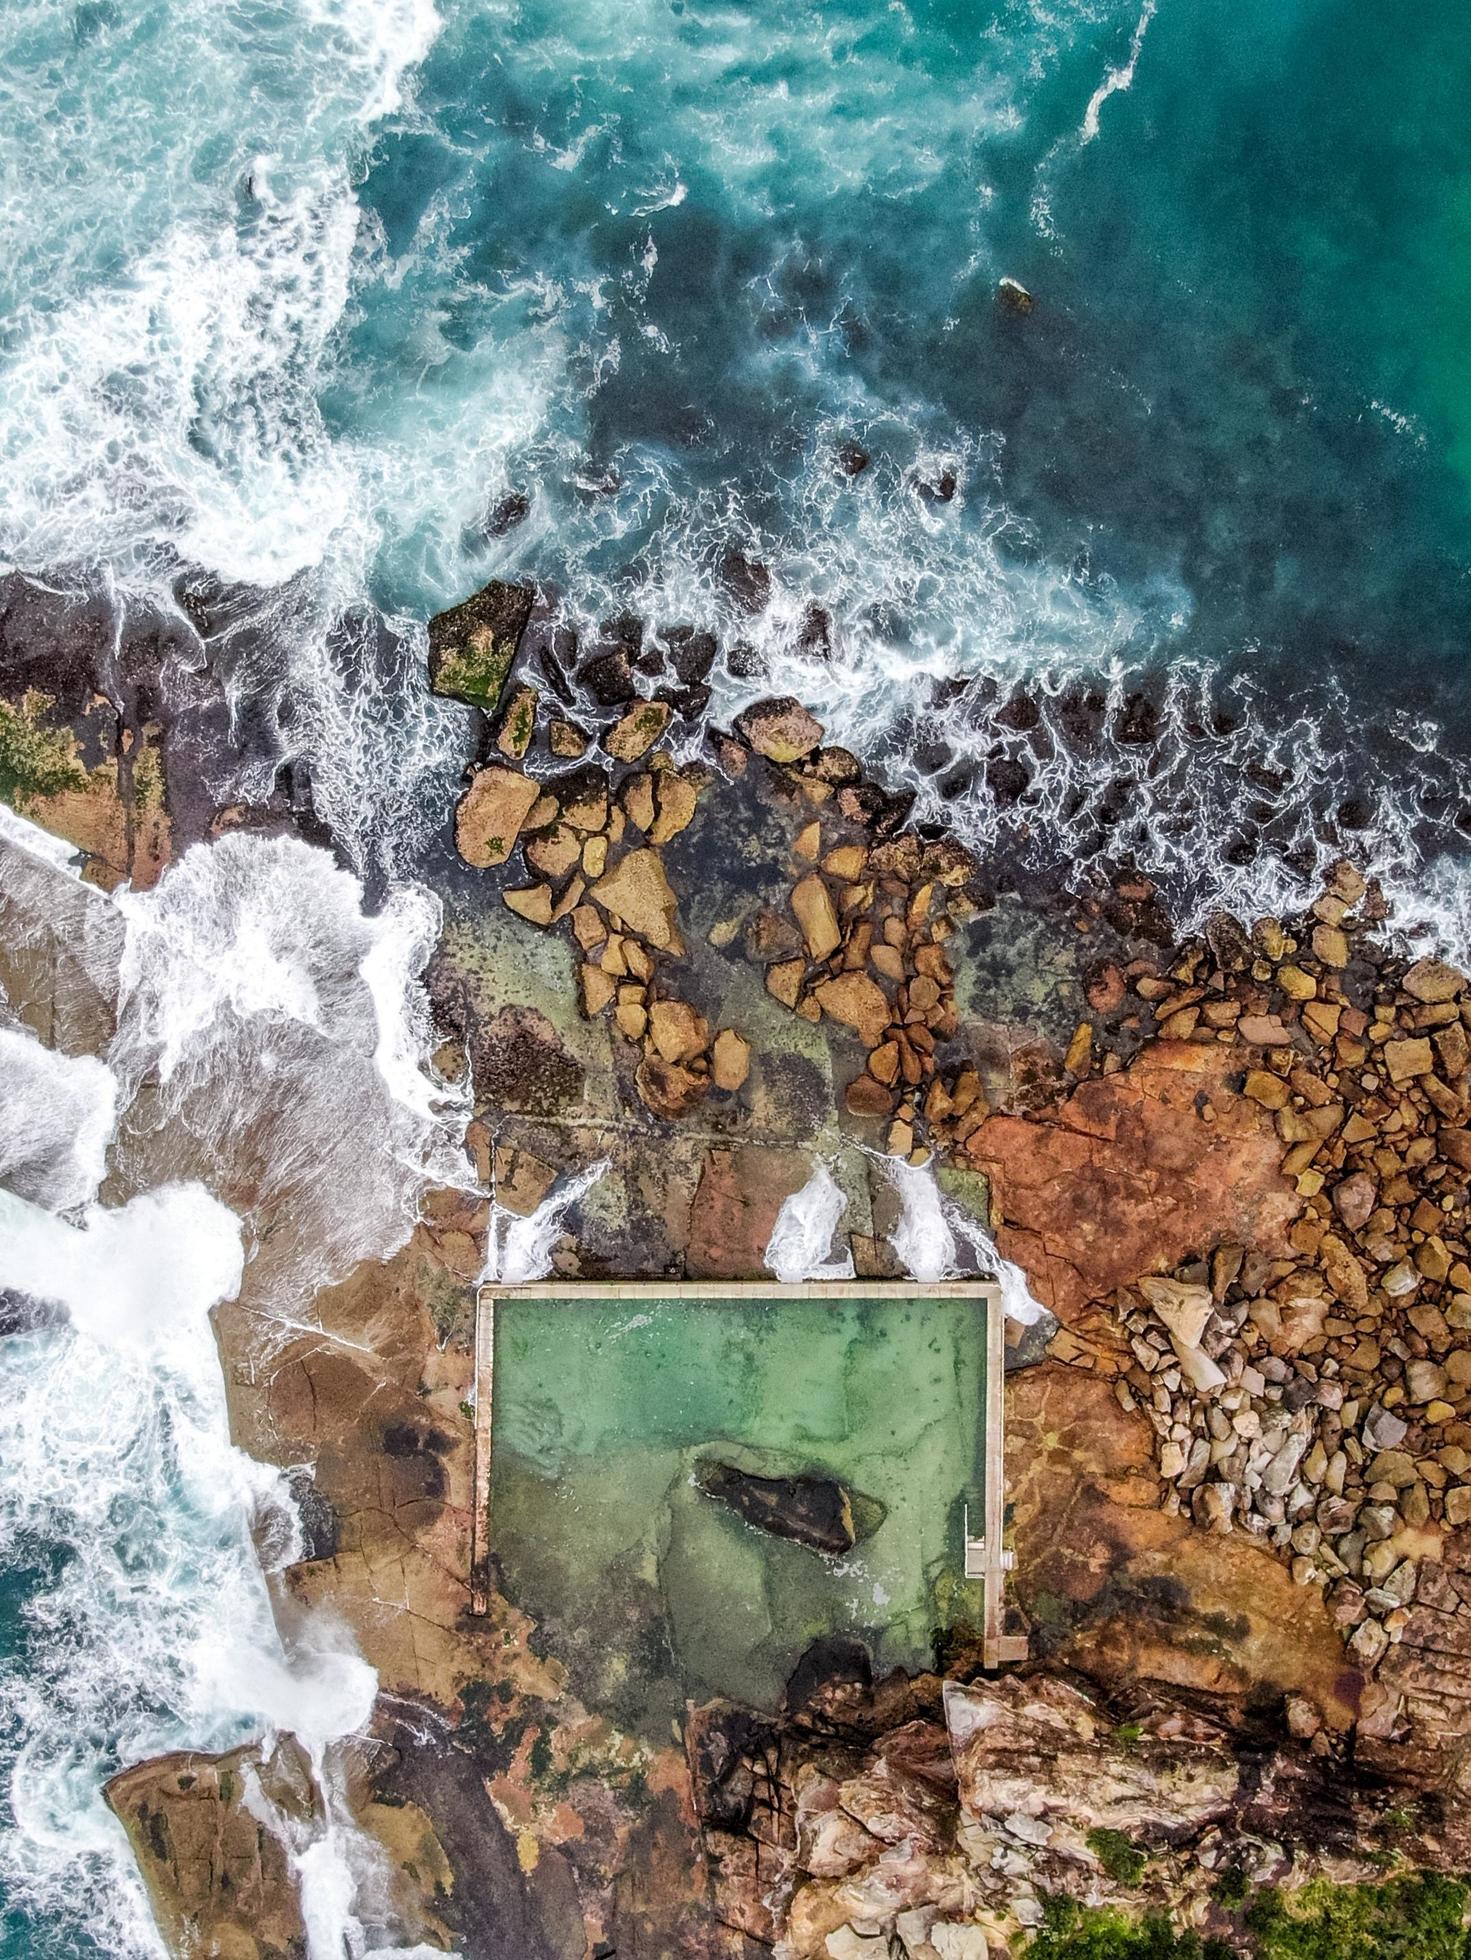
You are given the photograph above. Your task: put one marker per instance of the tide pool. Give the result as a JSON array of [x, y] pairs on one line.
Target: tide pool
[[654, 1591]]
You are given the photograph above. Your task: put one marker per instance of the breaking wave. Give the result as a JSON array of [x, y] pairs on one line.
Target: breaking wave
[[261, 1116]]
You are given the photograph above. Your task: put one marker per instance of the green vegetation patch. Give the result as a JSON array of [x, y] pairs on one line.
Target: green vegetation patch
[[35, 761], [1416, 1917], [1119, 1856], [1074, 1932]]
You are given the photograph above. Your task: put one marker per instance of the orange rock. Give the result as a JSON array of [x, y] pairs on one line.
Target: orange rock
[[813, 905], [589, 926], [554, 853], [677, 1031], [490, 814], [865, 1097], [730, 1060], [678, 797], [858, 1002], [883, 1063], [531, 902], [808, 842], [598, 989], [888, 961], [846, 862], [638, 801], [784, 981], [636, 894]]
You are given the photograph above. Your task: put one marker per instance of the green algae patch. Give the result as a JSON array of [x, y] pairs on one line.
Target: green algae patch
[[472, 646], [35, 761], [651, 1590], [1414, 1917]]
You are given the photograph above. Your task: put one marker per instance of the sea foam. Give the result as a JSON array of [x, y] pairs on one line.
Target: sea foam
[[270, 1049]]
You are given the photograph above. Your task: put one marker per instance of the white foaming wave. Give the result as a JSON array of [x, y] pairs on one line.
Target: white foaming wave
[[115, 1471], [801, 1242], [56, 1122], [519, 1250], [256, 1001], [172, 334], [289, 1039]]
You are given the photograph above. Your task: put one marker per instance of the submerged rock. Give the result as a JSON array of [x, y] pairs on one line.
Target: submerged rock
[[472, 646], [818, 1512]]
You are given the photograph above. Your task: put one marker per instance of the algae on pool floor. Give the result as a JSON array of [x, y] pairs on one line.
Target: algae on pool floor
[[654, 1591]]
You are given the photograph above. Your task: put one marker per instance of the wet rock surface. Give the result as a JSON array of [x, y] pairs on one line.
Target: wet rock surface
[[812, 1511]]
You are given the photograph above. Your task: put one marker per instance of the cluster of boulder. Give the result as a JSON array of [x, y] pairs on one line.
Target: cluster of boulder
[[862, 942], [1317, 1393], [589, 840]]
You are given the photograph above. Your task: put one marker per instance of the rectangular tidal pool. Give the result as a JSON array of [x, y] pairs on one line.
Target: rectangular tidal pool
[[687, 1491]]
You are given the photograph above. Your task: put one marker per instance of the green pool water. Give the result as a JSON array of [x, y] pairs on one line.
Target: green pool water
[[651, 1590]]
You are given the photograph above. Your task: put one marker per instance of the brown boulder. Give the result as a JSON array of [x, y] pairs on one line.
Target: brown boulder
[[859, 1003], [677, 1031], [730, 1060], [781, 730], [490, 814], [666, 1088], [1432, 981], [637, 895], [813, 905], [636, 732]]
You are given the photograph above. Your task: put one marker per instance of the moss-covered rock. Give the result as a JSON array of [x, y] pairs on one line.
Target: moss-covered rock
[[471, 646], [36, 760]]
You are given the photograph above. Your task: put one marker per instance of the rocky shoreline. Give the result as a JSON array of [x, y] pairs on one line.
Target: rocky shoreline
[[1235, 1169]]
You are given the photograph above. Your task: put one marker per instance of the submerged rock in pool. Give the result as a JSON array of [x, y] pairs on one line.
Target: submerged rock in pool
[[815, 1511]]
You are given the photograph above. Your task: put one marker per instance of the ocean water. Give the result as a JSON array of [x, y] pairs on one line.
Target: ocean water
[[300, 290], [1170, 567]]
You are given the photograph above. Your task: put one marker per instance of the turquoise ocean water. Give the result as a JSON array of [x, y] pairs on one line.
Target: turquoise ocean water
[[299, 290], [295, 293]]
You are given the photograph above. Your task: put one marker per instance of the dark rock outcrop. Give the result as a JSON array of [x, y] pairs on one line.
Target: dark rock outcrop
[[815, 1511]]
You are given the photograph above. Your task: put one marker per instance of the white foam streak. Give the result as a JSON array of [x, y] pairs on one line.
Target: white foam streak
[[932, 1228], [922, 1240], [519, 1250], [1117, 79], [801, 1243]]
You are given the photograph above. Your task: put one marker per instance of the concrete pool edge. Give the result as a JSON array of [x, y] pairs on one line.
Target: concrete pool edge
[[984, 1558]]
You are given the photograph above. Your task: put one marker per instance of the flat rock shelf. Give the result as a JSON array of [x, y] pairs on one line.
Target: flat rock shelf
[[651, 1460]]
